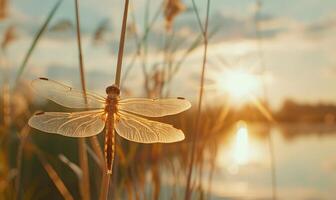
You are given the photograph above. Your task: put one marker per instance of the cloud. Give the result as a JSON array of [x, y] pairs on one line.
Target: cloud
[[321, 27], [232, 27]]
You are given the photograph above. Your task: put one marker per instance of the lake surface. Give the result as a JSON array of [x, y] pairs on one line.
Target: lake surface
[[305, 160]]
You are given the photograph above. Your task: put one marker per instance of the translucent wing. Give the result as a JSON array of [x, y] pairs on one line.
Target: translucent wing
[[76, 124], [138, 129], [154, 107], [65, 95]]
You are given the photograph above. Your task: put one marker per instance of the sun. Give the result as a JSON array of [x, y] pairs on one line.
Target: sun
[[239, 84]]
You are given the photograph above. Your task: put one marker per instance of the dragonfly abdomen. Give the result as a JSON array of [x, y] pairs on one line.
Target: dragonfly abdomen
[[109, 144]]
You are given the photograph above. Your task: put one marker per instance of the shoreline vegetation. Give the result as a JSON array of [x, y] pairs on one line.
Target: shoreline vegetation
[[160, 38]]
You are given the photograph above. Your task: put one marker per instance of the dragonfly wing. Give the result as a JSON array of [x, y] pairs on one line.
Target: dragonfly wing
[[65, 95], [154, 107], [76, 124], [138, 129]]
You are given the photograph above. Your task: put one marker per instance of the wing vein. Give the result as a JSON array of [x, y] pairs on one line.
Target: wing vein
[[142, 130]]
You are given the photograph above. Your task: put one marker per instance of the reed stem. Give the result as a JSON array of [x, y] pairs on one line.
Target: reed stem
[[265, 101], [139, 42], [121, 44], [83, 159], [107, 177], [23, 137], [56, 179], [105, 186], [197, 126], [36, 39]]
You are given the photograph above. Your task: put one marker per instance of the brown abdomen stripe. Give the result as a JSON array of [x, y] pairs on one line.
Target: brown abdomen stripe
[[109, 147]]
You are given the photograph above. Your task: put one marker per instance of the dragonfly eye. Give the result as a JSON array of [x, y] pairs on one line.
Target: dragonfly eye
[[113, 90]]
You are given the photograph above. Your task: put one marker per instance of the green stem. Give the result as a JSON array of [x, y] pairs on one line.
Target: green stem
[[36, 39]]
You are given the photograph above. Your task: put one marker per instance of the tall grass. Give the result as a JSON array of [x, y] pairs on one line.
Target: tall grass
[[53, 175], [131, 179], [121, 44], [36, 39], [197, 125], [265, 98], [106, 179], [141, 41], [84, 184], [25, 130]]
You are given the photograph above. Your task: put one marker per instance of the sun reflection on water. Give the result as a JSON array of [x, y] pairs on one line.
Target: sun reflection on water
[[243, 167], [243, 150], [241, 145]]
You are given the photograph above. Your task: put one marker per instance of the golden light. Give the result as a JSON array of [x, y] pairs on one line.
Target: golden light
[[243, 150], [238, 83], [241, 146]]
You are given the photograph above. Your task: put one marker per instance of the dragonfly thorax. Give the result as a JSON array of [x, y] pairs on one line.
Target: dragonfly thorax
[[111, 104], [112, 92]]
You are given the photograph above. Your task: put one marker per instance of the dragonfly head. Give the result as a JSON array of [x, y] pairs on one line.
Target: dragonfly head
[[113, 90]]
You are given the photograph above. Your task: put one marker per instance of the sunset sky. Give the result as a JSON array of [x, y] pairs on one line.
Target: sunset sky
[[293, 58], [299, 44]]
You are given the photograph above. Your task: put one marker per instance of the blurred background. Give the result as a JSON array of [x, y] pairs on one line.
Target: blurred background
[[267, 126]]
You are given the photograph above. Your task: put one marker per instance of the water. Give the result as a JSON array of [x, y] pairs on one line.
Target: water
[[305, 163]]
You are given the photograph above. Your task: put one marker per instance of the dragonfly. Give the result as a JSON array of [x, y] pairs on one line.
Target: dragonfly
[[127, 117]]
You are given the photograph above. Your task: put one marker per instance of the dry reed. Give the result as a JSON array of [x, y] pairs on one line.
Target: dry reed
[[10, 36], [264, 108], [36, 39], [84, 184], [197, 125], [53, 175], [106, 177]]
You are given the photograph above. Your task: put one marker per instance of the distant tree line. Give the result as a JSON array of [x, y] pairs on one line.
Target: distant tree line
[[290, 112]]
